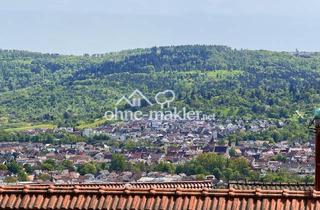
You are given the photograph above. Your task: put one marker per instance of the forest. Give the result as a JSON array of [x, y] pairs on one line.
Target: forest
[[65, 90]]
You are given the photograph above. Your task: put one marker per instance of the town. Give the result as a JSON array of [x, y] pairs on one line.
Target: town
[[147, 142]]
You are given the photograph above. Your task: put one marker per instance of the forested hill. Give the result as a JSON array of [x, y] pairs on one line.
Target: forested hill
[[69, 90]]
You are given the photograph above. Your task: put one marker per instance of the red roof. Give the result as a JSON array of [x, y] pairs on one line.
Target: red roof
[[153, 198], [240, 185], [181, 184]]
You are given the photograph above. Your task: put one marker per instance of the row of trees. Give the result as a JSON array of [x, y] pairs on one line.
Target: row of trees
[[228, 169], [201, 166], [47, 138]]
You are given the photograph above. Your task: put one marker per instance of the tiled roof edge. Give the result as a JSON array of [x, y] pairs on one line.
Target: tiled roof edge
[[78, 189], [270, 183]]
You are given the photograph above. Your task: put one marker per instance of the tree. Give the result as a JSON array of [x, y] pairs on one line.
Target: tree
[[308, 179], [221, 142], [217, 173], [44, 177], [232, 152], [201, 177], [49, 165], [3, 167], [10, 179], [67, 164], [14, 167], [22, 176], [228, 173], [118, 162], [164, 167], [130, 145], [28, 168], [87, 168], [280, 157]]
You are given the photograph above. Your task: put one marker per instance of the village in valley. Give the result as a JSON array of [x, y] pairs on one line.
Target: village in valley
[[147, 142], [152, 142]]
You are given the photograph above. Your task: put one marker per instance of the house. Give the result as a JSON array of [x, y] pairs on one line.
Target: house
[[221, 150], [88, 132]]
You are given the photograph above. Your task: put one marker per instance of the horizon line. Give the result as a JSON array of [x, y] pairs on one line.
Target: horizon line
[[150, 47]]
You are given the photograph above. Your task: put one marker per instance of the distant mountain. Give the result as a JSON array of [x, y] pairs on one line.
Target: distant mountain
[[69, 90]]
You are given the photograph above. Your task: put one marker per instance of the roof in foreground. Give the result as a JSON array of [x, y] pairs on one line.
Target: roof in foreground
[[107, 196], [181, 184], [242, 185]]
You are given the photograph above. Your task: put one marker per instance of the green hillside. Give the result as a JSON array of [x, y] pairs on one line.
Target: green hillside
[[65, 90]]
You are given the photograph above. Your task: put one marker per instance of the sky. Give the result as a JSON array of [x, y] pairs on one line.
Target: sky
[[100, 26]]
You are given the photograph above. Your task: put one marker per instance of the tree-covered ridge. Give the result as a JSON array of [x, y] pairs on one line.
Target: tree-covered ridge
[[66, 90]]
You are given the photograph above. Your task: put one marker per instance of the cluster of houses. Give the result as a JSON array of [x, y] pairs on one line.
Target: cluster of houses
[[180, 131], [170, 141]]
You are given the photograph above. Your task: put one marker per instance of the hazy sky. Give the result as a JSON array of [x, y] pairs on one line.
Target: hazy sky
[[98, 26]]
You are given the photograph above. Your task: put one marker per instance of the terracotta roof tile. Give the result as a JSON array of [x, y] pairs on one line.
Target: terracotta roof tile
[[45, 203], [73, 202], [108, 202], [180, 184], [240, 185], [39, 201], [143, 202], [66, 201], [17, 202], [207, 203], [128, 197]]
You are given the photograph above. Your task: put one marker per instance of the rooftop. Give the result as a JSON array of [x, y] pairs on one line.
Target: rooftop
[[270, 185], [153, 196]]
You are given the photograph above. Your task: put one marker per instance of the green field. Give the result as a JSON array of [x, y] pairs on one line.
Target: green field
[[25, 126]]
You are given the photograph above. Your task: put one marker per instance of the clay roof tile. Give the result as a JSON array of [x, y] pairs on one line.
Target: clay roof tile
[[189, 196]]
